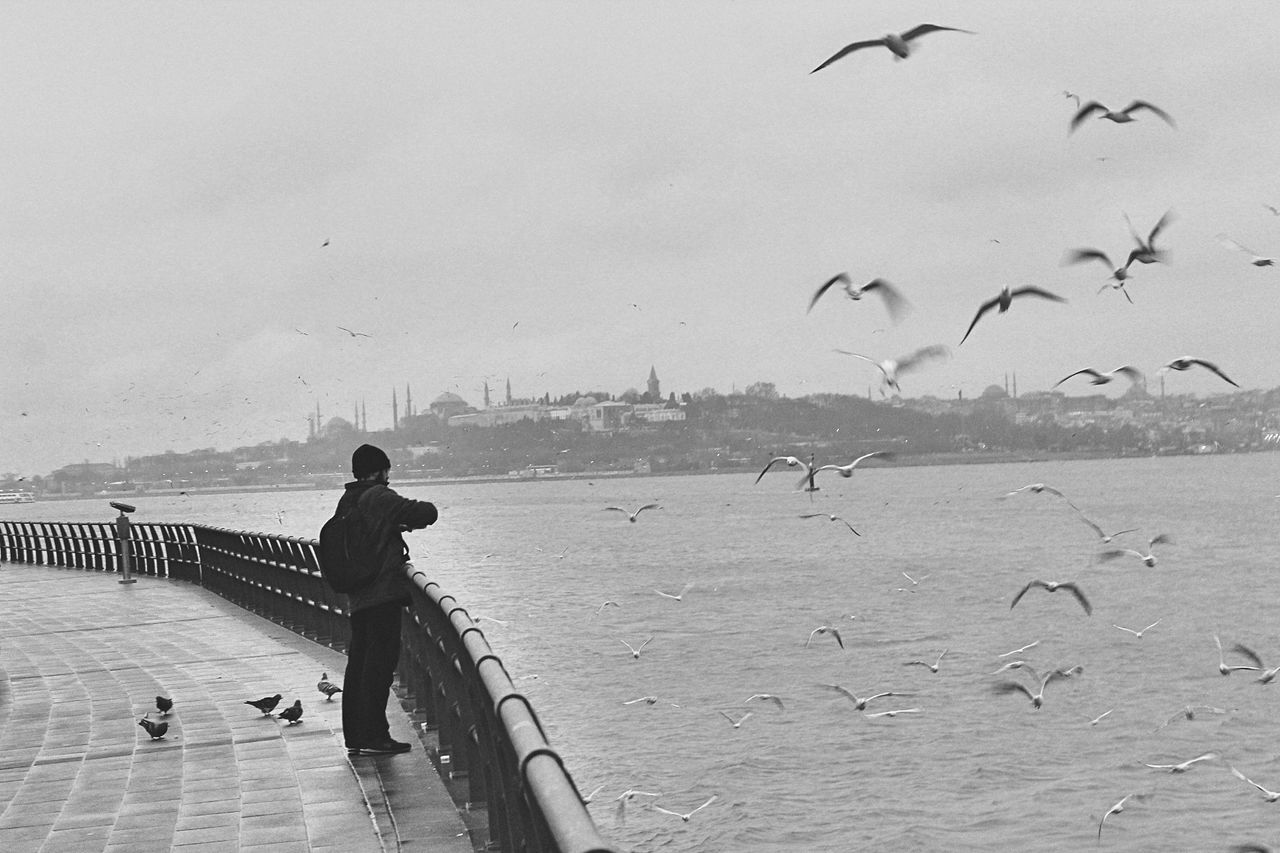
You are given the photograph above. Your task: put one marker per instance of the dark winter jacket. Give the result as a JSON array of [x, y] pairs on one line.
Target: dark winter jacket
[[392, 514]]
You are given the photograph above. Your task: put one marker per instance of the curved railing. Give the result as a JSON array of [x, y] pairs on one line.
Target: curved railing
[[490, 745]]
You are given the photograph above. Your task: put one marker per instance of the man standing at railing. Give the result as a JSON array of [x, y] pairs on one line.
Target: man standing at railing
[[375, 609]]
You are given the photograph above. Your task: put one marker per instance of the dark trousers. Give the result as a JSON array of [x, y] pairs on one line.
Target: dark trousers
[[371, 666]]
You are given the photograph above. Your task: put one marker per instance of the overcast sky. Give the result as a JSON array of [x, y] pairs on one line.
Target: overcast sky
[[568, 193]]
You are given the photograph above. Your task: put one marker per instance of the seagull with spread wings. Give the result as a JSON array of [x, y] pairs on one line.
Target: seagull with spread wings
[[1268, 675], [932, 667], [1137, 634], [1146, 251], [831, 517], [636, 650], [1037, 698], [1102, 377], [1225, 668], [806, 482], [824, 629], [1054, 586], [685, 816], [847, 470], [1257, 260], [1116, 809], [1123, 116], [677, 596], [1187, 362], [1102, 534], [891, 368], [899, 44], [861, 704], [1270, 796], [1005, 299], [894, 302], [1148, 559], [1038, 489], [1184, 766], [631, 516]]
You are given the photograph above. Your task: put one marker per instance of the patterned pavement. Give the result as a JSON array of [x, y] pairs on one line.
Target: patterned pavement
[[82, 658]]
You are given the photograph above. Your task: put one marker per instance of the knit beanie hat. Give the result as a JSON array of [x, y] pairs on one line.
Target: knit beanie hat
[[368, 460]]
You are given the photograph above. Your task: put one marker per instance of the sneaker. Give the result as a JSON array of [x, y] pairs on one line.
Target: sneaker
[[382, 747]]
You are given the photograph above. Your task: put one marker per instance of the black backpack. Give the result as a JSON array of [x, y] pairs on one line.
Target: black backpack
[[350, 552]]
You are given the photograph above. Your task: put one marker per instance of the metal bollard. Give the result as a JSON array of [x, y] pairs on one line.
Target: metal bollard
[[126, 542]]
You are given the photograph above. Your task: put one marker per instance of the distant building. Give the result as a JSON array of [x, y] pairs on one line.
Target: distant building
[[447, 405]]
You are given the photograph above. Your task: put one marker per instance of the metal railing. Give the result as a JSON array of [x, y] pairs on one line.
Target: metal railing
[[490, 744]]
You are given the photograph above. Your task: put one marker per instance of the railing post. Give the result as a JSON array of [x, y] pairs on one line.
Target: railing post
[[126, 547]]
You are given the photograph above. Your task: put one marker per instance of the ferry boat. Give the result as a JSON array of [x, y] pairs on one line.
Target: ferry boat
[[17, 498]]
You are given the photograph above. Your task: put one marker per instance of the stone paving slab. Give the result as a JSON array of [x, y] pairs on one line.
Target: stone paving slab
[[82, 658]]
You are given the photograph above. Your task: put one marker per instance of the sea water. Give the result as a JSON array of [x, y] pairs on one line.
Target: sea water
[[972, 769]]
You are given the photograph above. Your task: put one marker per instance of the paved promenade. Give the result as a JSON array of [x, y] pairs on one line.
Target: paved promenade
[[82, 658]]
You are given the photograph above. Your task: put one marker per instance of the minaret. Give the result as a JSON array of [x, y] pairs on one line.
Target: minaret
[[654, 391], [356, 423], [364, 418], [318, 417], [1015, 385], [395, 411], [508, 390], [486, 393], [311, 427], [408, 401], [1006, 385]]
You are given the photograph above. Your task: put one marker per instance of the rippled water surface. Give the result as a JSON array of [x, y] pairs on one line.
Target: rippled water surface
[[972, 770]]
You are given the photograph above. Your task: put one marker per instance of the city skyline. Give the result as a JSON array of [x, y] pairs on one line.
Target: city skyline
[[222, 215]]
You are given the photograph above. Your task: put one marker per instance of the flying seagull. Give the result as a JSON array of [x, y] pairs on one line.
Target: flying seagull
[[1040, 488], [631, 516], [806, 482], [1137, 634], [893, 713], [678, 596], [1119, 274], [893, 300], [1148, 559], [1101, 377], [1054, 586], [767, 697], [685, 817], [1102, 534], [1030, 645], [1257, 260], [824, 629], [1123, 116], [830, 517], [933, 667], [738, 722], [1146, 252], [1226, 668], [847, 470], [635, 650], [1187, 362], [1116, 809], [1005, 299], [899, 44], [1037, 698], [861, 704], [1270, 796], [891, 368], [354, 334], [1184, 766]]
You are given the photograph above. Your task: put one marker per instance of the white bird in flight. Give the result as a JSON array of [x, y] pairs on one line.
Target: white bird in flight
[[738, 722], [933, 667], [893, 713], [861, 704], [1100, 717], [893, 300], [1148, 559], [767, 697], [1123, 116], [1101, 377], [899, 44], [1268, 675], [1119, 274], [1226, 668], [677, 597], [847, 470], [891, 368], [824, 629], [1255, 259], [610, 603], [1030, 645], [1270, 796], [831, 517], [1102, 534], [806, 482], [635, 650], [1116, 809], [685, 816], [1054, 586], [1004, 300], [1184, 766], [1037, 698], [1187, 362], [1137, 634], [1039, 489], [631, 516]]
